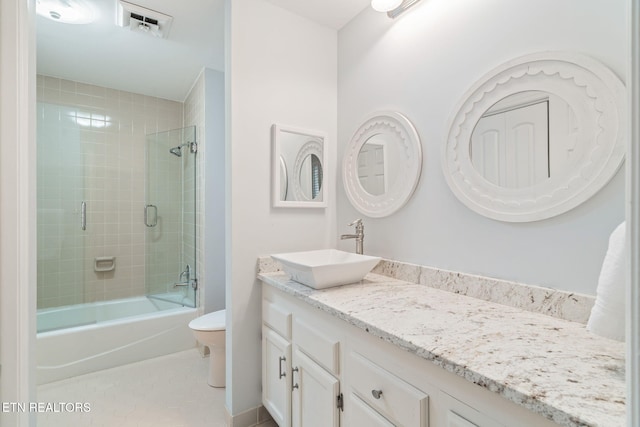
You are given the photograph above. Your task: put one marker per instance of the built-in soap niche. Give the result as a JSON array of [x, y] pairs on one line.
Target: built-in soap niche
[[536, 137]]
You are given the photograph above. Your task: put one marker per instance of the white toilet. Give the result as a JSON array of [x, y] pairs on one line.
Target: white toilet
[[210, 331]]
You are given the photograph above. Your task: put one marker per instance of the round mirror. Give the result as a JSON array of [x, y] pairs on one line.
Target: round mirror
[[310, 177], [536, 137], [382, 164]]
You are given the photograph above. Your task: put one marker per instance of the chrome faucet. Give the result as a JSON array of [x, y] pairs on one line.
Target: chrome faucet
[[359, 236]]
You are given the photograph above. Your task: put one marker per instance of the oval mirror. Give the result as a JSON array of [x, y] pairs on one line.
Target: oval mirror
[[536, 137], [382, 164]]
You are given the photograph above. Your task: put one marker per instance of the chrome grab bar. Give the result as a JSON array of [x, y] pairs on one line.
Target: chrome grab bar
[[154, 221], [83, 215]]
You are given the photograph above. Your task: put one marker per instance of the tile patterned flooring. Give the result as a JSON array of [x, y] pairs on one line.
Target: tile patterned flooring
[[168, 391]]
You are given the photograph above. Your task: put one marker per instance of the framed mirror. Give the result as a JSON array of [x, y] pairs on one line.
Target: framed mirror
[[382, 164], [536, 137], [299, 160]]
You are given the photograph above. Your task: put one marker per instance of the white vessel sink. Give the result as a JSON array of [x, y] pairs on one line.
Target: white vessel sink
[[326, 268]]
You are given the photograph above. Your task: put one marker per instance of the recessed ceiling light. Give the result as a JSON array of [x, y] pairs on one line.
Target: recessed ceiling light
[[66, 11]]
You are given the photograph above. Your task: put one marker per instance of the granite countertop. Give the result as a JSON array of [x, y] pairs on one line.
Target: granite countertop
[[551, 366]]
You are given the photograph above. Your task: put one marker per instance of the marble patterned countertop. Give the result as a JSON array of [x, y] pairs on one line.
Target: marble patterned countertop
[[551, 366]]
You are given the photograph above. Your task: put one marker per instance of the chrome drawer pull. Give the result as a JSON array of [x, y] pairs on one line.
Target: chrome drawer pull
[[376, 393], [282, 374], [293, 384]]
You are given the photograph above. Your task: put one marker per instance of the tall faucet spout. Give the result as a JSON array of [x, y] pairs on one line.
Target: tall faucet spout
[[359, 236], [348, 236]]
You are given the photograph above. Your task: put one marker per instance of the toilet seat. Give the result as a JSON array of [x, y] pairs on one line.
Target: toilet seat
[[214, 321]]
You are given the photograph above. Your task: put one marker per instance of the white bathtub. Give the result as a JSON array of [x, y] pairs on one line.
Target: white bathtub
[[110, 333]]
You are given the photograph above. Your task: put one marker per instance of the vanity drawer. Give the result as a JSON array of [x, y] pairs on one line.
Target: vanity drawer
[[395, 399], [277, 318], [318, 346]]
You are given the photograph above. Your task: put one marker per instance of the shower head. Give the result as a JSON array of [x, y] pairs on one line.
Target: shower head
[[177, 151]]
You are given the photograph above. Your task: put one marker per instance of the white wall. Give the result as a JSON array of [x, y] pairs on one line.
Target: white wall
[[421, 65], [214, 190], [281, 68]]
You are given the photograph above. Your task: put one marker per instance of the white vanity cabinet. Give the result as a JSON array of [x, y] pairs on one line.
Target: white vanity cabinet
[[315, 393], [300, 367], [276, 362], [316, 398], [319, 370]]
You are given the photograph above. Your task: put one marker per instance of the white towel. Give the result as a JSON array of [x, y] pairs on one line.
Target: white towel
[[608, 313]]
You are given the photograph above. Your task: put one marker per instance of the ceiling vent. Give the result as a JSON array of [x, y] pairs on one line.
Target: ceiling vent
[[142, 20]]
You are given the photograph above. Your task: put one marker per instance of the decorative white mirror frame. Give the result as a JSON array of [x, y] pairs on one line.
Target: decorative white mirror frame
[[394, 128], [597, 97], [310, 142]]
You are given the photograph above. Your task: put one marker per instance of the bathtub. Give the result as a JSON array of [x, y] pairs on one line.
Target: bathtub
[[109, 334]]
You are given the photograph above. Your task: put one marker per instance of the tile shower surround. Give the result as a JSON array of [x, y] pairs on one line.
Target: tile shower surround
[[110, 127]]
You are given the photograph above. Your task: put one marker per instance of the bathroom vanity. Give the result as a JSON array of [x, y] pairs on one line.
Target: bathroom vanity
[[388, 352]]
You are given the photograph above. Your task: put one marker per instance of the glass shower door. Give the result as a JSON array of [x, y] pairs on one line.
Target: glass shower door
[[170, 216], [60, 198]]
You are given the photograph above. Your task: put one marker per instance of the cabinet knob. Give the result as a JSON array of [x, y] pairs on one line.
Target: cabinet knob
[[376, 393]]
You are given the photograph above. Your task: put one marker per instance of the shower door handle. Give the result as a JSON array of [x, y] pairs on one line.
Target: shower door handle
[[83, 215], [150, 215]]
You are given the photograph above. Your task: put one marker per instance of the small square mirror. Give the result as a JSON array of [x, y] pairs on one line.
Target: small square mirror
[[298, 164]]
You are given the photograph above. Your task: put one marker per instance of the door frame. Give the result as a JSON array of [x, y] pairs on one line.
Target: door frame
[[633, 216], [17, 208]]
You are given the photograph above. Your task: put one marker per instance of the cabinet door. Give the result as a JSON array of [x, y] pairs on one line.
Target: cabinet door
[[315, 394], [276, 376], [459, 414], [361, 414], [455, 420]]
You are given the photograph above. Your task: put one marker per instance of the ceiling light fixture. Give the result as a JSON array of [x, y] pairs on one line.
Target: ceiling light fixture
[[385, 5], [66, 11], [394, 8]]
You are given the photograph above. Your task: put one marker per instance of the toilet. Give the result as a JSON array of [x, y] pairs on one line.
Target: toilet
[[209, 330]]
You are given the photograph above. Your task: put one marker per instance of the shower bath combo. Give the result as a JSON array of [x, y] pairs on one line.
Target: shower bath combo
[[89, 329]]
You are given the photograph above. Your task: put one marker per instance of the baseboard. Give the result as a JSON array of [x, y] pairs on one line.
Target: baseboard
[[249, 418]]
